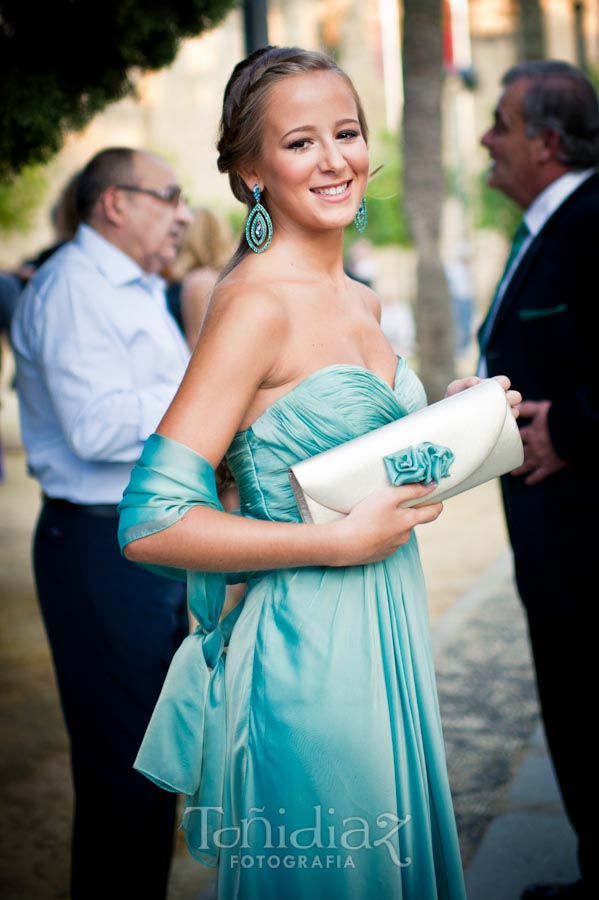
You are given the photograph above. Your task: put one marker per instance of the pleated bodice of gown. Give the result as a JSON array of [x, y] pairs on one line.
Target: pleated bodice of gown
[[336, 783]]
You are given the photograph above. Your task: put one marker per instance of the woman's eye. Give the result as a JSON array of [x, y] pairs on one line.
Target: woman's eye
[[347, 134], [299, 144]]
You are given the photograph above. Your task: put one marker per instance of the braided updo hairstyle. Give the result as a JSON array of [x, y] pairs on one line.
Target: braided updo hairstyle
[[242, 122]]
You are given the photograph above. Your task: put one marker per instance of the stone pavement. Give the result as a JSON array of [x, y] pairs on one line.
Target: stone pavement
[[511, 824]]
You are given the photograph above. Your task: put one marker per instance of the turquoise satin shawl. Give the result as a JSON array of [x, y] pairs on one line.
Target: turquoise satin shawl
[[184, 746]]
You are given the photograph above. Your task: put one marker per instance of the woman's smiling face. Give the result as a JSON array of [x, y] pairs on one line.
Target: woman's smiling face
[[314, 163]]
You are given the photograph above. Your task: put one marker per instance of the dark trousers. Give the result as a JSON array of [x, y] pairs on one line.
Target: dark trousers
[[561, 646], [113, 628]]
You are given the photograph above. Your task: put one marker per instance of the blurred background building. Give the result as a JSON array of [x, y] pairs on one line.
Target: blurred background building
[[177, 109]]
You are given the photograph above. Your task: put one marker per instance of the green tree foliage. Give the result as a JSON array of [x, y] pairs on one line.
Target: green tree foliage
[[64, 61], [20, 199], [387, 225], [496, 211]]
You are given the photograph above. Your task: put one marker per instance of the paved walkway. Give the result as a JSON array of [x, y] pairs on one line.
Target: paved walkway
[[512, 826], [510, 820]]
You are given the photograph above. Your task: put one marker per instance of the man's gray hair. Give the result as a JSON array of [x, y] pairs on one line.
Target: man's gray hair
[[109, 167], [562, 99]]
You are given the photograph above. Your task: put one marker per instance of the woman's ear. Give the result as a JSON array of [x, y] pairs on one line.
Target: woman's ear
[[250, 177]]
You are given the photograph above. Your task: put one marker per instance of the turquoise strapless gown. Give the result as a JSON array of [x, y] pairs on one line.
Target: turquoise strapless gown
[[313, 759], [335, 757]]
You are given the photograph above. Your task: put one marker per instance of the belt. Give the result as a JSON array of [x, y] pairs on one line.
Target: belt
[[99, 510]]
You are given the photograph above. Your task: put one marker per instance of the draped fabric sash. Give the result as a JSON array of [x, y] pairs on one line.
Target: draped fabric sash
[[184, 746]]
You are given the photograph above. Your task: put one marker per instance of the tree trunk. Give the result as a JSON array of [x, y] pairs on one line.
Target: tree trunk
[[424, 189], [531, 35]]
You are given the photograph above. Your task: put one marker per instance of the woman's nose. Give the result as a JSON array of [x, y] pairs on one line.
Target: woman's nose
[[332, 159]]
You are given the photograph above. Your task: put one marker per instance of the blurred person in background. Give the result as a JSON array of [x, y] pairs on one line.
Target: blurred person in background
[[10, 289], [65, 221], [458, 271], [541, 329], [208, 244], [98, 359]]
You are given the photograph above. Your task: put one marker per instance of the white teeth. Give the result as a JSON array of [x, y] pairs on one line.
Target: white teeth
[[333, 190]]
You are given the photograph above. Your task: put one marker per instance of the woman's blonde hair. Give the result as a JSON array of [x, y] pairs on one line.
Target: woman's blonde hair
[[242, 122], [208, 243]]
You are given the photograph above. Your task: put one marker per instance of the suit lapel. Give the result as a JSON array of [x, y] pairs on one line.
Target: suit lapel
[[518, 279], [536, 245]]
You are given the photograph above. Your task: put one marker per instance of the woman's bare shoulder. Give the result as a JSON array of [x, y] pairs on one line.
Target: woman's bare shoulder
[[247, 298], [240, 344]]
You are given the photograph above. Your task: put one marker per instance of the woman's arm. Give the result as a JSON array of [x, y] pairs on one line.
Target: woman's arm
[[212, 541]]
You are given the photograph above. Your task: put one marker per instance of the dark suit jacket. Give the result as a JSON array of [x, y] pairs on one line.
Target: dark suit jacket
[[544, 338]]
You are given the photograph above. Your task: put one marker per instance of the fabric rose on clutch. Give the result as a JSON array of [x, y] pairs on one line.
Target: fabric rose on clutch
[[424, 462]]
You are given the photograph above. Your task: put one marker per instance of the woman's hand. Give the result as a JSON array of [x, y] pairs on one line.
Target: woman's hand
[[377, 526], [461, 384]]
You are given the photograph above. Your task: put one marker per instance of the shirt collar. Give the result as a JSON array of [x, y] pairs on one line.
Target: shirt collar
[[543, 206], [114, 264]]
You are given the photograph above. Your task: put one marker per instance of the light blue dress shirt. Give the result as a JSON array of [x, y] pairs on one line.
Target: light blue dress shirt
[[98, 359]]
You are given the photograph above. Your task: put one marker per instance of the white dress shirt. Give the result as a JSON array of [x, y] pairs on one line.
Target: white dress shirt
[[537, 214], [98, 360]]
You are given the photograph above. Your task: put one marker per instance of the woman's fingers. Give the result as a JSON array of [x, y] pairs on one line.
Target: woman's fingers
[[428, 512], [514, 397], [504, 381], [411, 491], [461, 384]]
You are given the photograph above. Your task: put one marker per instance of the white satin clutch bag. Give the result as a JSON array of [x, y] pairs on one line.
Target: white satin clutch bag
[[459, 442]]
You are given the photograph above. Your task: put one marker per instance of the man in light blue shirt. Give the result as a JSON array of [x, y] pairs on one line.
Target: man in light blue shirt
[[98, 360]]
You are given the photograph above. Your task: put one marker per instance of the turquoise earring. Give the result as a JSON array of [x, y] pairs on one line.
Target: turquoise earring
[[258, 228], [361, 216]]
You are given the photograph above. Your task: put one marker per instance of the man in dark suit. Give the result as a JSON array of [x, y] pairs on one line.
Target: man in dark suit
[[541, 331]]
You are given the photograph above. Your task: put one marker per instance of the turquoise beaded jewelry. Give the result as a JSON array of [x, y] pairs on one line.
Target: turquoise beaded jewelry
[[258, 228], [361, 216]]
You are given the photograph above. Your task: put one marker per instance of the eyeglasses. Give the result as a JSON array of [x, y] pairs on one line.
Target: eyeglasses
[[171, 195]]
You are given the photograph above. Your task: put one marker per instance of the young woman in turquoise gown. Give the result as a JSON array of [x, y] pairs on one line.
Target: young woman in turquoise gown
[[312, 760]]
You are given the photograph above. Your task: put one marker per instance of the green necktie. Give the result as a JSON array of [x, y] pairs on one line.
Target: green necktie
[[522, 233]]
